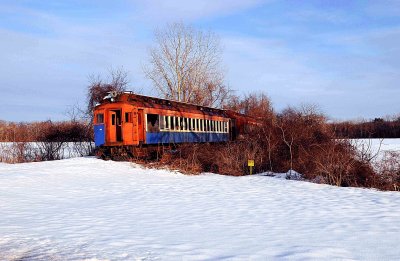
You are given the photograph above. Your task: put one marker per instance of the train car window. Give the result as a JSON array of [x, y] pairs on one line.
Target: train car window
[[190, 124], [183, 123], [162, 122], [175, 120], [100, 118], [128, 116], [177, 123], [172, 120], [113, 119], [153, 123]]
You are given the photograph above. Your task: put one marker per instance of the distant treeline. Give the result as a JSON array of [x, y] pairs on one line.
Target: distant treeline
[[66, 131], [377, 128]]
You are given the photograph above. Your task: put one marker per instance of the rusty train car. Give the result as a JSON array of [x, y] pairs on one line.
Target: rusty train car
[[124, 122]]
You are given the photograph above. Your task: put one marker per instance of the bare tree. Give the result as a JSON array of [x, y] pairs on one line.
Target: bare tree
[[288, 139], [288, 125], [259, 106], [98, 88], [185, 65], [365, 150]]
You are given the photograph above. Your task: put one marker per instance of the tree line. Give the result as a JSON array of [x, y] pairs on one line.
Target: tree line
[[377, 128]]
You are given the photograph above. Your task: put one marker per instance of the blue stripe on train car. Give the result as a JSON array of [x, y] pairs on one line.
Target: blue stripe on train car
[[99, 134], [179, 137]]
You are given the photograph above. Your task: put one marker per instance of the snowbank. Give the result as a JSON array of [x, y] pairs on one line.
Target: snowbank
[[85, 208]]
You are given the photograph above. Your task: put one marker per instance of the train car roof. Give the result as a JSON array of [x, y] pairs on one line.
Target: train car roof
[[159, 103]]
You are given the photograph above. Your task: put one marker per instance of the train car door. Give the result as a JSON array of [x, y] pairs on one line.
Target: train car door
[[115, 130], [141, 125], [138, 126], [127, 127], [135, 127], [232, 129]]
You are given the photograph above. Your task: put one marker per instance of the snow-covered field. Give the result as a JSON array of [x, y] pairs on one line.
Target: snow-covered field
[[10, 151], [89, 209], [377, 147]]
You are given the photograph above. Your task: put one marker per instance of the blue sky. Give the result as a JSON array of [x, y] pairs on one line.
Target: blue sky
[[343, 56]]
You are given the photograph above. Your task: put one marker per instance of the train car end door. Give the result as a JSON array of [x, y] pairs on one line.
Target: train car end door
[[115, 130], [138, 126]]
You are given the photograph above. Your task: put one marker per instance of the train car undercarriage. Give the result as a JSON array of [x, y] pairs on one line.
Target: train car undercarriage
[[128, 153]]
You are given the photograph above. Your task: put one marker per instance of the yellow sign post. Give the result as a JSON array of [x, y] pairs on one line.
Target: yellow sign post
[[250, 163]]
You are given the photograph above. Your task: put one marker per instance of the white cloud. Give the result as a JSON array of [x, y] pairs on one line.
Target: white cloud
[[175, 10], [345, 85], [53, 67], [383, 8]]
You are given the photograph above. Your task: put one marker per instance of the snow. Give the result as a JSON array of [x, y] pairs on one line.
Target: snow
[[89, 209], [9, 151], [377, 147]]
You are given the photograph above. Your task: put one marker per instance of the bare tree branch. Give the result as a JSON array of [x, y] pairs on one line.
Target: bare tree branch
[[185, 65]]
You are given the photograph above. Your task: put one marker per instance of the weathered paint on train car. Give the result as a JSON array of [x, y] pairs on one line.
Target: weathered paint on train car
[[99, 134], [182, 137]]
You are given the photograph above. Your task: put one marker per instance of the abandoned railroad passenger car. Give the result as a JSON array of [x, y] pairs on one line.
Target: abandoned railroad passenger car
[[127, 120]]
